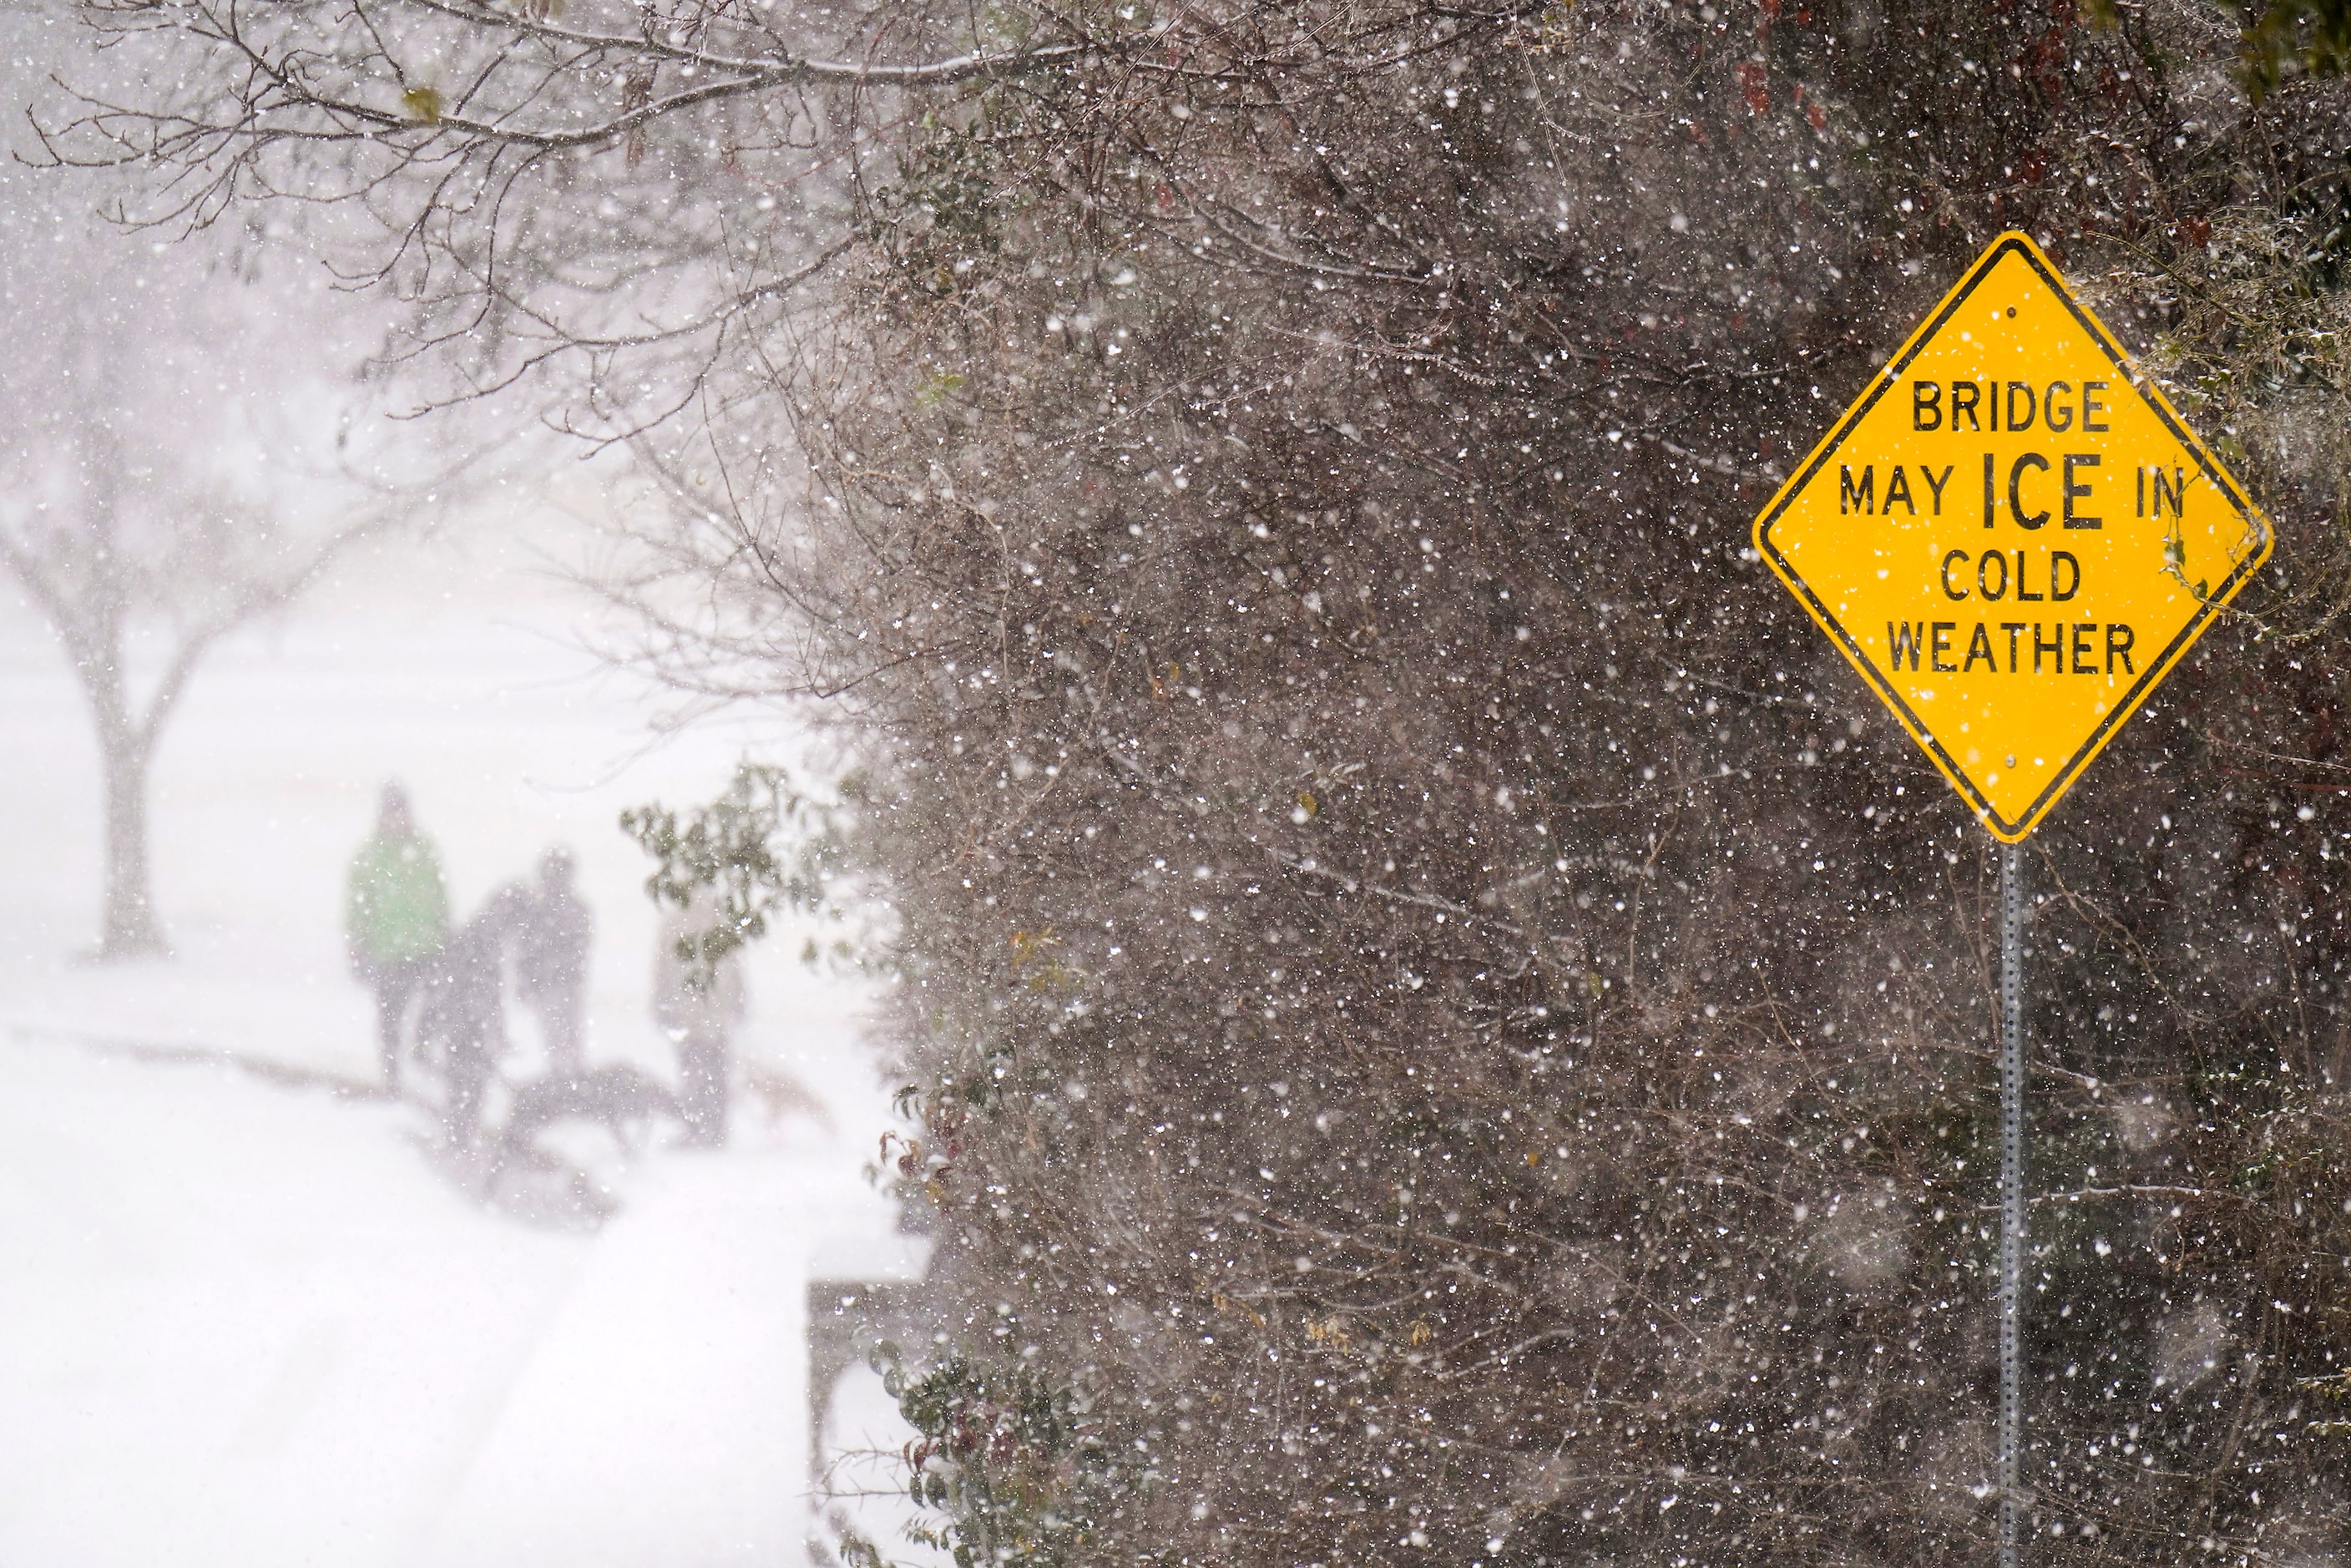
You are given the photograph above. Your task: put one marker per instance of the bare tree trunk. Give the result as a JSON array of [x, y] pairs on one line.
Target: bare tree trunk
[[125, 747], [130, 929], [89, 622]]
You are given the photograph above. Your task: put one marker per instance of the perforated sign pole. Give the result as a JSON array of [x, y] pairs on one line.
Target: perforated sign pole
[[2012, 1190], [2014, 537]]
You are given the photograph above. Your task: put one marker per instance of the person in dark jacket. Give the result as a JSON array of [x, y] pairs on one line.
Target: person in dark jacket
[[462, 1027], [552, 962], [396, 917]]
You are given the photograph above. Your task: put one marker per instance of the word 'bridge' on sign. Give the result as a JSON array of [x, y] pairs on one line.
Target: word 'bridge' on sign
[[2011, 535]]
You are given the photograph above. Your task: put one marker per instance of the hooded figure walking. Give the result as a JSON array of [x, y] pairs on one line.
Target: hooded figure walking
[[396, 919], [697, 1004]]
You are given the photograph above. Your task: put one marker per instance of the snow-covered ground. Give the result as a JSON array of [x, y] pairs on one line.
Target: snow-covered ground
[[243, 1317]]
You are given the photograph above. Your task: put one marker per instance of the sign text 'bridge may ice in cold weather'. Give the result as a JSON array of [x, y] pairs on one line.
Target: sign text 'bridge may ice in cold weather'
[[2013, 537]]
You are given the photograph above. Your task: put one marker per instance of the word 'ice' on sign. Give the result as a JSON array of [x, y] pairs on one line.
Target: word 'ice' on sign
[[2011, 535]]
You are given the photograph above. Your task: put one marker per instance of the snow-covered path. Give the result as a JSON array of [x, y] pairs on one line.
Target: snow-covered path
[[665, 1352], [239, 1323], [246, 1323], [243, 1317]]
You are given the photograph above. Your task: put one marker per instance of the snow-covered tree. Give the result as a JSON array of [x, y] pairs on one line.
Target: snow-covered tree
[[168, 470], [187, 442]]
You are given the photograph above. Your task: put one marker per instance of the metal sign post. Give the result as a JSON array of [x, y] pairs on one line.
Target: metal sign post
[[2011, 1192], [2013, 536]]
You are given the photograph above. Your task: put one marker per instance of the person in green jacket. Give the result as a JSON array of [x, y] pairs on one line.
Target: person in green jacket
[[396, 915]]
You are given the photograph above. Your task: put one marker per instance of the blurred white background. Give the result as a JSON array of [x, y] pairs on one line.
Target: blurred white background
[[246, 1318]]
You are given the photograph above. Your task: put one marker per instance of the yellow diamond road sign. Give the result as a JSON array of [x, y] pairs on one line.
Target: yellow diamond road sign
[[2013, 537]]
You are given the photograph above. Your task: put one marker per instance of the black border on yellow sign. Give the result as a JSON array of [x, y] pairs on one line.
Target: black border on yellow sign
[[2000, 827]]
